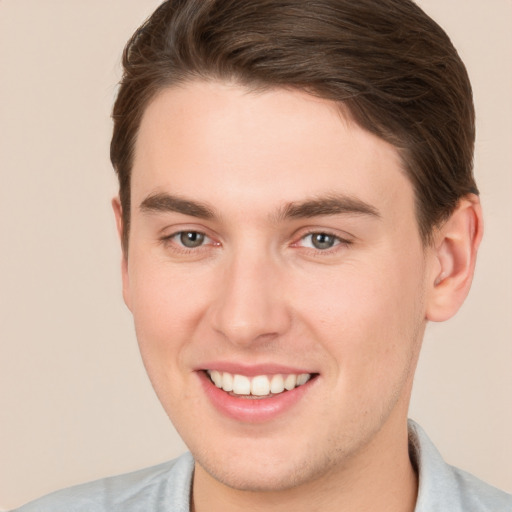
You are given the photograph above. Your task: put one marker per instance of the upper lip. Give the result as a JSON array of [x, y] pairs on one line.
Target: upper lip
[[252, 370]]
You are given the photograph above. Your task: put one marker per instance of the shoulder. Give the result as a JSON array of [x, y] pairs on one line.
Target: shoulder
[[445, 488], [475, 495], [158, 488]]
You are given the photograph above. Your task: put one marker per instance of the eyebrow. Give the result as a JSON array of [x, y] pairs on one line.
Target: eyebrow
[[163, 202], [328, 205], [316, 207]]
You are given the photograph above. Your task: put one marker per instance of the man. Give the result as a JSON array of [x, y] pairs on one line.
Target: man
[[296, 203]]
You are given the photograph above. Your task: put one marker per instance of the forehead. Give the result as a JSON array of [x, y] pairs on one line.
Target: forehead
[[227, 145]]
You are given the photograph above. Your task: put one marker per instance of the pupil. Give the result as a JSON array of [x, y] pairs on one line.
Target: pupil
[[323, 241], [191, 238]]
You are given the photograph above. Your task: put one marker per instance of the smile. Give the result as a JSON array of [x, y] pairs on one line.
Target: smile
[[259, 385], [256, 394]]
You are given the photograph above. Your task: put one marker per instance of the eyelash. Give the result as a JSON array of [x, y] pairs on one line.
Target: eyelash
[[179, 246], [338, 242]]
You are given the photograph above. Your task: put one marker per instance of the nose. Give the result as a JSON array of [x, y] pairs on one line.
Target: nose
[[250, 305]]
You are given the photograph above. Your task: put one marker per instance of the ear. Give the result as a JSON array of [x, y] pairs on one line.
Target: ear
[[118, 213], [455, 248]]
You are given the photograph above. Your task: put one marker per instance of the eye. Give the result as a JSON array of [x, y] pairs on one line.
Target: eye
[[190, 239], [188, 243], [320, 241], [186, 240]]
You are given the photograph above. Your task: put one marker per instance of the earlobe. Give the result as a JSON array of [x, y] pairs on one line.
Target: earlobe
[[118, 213], [456, 246]]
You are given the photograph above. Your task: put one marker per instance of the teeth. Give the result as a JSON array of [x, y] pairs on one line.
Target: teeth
[[303, 378], [241, 385], [290, 381], [277, 384], [261, 385], [216, 378], [227, 381]]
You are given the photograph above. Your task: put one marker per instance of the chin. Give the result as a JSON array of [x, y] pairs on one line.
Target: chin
[[260, 479], [263, 472]]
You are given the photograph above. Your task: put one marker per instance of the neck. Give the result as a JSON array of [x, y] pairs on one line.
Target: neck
[[380, 477]]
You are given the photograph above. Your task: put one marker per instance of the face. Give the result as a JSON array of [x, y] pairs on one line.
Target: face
[[274, 250]]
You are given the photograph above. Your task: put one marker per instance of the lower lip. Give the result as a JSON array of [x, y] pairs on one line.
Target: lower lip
[[252, 410]]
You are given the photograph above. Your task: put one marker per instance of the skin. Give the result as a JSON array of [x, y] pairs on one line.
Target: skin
[[258, 291]]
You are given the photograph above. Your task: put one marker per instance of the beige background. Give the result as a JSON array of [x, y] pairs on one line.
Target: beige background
[[74, 400]]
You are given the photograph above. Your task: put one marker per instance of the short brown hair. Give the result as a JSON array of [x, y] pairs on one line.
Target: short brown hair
[[390, 65]]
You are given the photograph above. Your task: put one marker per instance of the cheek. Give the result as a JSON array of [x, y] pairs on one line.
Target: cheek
[[166, 307], [367, 315]]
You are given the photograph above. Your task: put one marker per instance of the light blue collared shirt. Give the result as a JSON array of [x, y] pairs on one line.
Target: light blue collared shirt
[[166, 488]]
